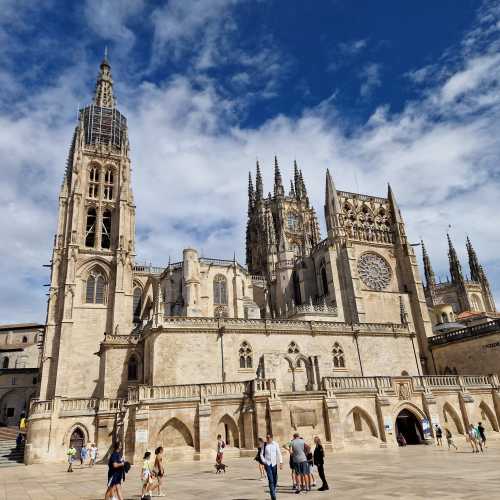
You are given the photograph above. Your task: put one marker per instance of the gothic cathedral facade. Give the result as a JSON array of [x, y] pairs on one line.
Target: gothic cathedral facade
[[328, 336]]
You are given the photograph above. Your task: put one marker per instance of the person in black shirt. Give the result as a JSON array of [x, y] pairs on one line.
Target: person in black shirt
[[319, 462], [482, 435], [116, 473]]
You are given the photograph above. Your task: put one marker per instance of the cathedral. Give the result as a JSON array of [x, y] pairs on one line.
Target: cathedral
[[319, 335]]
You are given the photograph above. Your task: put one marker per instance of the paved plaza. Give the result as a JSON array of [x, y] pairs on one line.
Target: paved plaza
[[414, 472]]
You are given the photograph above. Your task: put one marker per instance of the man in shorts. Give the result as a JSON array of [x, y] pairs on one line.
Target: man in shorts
[[299, 450]]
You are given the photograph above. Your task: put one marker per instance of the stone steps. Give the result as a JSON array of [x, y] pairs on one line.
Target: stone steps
[[9, 454]]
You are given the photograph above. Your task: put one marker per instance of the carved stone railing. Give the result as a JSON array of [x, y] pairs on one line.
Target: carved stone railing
[[475, 380], [214, 390], [357, 384], [465, 333], [121, 339], [361, 197], [111, 405], [41, 407], [79, 405], [441, 381], [148, 269], [264, 385]]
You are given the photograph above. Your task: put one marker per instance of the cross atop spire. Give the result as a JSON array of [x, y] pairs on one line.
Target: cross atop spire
[[104, 86]]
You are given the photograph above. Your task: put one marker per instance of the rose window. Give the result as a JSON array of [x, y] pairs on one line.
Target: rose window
[[374, 271]]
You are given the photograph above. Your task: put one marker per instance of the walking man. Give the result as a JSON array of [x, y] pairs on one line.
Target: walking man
[[71, 457], [319, 462], [449, 439], [270, 455], [299, 450]]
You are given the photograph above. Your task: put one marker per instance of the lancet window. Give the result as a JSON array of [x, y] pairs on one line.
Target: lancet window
[[245, 354], [90, 227], [106, 229], [220, 289], [338, 356], [95, 289]]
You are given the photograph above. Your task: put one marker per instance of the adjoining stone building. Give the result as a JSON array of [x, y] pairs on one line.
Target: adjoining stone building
[[19, 360], [324, 336]]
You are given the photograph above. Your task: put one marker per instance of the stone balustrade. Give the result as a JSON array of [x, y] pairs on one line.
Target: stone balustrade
[[357, 384], [79, 405], [41, 407]]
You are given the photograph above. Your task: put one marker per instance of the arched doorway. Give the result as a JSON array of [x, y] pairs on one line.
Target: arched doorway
[[77, 440], [409, 426], [228, 429]]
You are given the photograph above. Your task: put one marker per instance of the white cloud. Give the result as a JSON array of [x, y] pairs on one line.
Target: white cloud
[[109, 20], [191, 157], [370, 79], [353, 47]]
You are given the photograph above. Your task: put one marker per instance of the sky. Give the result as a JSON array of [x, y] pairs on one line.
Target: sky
[[378, 92]]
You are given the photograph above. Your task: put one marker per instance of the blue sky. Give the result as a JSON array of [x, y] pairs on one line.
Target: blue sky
[[389, 91]]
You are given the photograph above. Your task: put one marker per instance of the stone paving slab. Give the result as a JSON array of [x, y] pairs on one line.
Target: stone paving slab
[[411, 473]]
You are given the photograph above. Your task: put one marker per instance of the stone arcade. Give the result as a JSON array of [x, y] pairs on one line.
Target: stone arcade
[[327, 337]]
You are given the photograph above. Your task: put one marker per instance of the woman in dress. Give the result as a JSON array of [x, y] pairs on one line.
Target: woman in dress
[[147, 476]]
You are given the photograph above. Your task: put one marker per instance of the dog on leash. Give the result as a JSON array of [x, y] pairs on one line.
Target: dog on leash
[[219, 468]]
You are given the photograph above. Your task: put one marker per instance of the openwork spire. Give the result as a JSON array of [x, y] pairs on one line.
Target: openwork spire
[[104, 85], [475, 267], [259, 187], [251, 193], [278, 181], [430, 278], [296, 178], [455, 267]]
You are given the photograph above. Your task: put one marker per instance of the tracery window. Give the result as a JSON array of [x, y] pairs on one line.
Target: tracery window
[[324, 278], [106, 229], [5, 363], [133, 368], [245, 354], [220, 289], [293, 221], [94, 182], [293, 348], [90, 227], [95, 292], [108, 185], [25, 339], [338, 356], [136, 304]]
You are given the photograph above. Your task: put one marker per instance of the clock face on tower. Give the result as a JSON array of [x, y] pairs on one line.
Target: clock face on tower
[[374, 271]]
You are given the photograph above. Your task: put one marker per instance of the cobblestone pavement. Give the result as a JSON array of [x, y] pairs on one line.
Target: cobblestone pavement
[[414, 472]]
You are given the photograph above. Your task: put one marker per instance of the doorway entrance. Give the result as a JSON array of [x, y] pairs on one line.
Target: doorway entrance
[[408, 425], [77, 440]]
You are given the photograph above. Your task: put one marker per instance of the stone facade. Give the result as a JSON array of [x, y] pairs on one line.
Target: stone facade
[[329, 336], [19, 360]]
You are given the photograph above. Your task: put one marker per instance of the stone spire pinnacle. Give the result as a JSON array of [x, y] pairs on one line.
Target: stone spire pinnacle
[[455, 267], [332, 204], [251, 193], [296, 178], [430, 278], [475, 267], [278, 181], [292, 189], [104, 86], [259, 187]]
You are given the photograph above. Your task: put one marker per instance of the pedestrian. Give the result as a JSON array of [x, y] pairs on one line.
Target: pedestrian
[[147, 477], [319, 462], [449, 439], [310, 464], [295, 480], [271, 455], [220, 450], [92, 454], [439, 435], [482, 434], [83, 454], [158, 469], [473, 438], [71, 457], [116, 474], [19, 440], [23, 425], [299, 450], [258, 459]]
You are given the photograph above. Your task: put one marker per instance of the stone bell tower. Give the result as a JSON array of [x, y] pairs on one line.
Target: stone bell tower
[[93, 254]]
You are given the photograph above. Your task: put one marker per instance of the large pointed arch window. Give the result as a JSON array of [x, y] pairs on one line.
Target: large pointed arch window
[[106, 229], [95, 290], [220, 290], [137, 303], [94, 182], [108, 184], [324, 279], [90, 227]]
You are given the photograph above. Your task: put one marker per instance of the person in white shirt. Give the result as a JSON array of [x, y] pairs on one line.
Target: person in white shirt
[[270, 454]]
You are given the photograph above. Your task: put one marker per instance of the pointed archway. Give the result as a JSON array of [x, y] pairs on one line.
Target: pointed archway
[[408, 426]]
